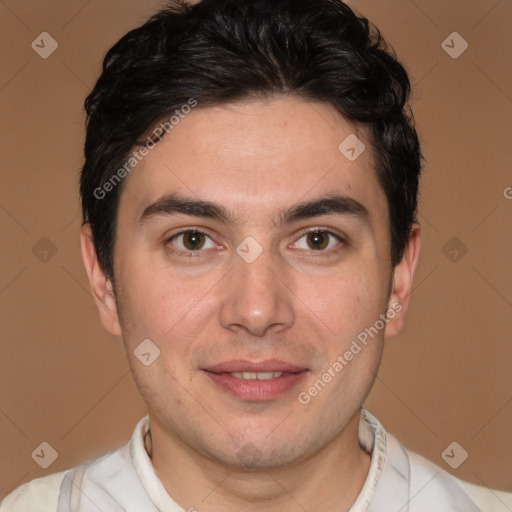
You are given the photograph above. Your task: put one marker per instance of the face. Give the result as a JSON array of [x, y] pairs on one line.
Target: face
[[253, 254]]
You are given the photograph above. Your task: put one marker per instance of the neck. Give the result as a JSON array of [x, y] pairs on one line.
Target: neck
[[329, 480]]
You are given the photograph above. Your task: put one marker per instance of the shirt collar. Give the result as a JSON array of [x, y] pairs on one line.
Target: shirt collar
[[372, 437]]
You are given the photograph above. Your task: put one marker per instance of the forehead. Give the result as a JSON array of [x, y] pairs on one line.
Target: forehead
[[256, 155]]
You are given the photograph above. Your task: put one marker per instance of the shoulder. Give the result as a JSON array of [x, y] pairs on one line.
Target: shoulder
[[39, 495], [490, 500], [429, 479], [44, 494]]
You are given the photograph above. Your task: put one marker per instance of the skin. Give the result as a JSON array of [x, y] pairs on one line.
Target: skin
[[295, 302]]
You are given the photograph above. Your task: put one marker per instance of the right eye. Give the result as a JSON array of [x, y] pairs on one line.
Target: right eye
[[190, 240]]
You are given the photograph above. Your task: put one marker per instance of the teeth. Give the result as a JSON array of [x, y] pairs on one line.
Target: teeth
[[256, 375]]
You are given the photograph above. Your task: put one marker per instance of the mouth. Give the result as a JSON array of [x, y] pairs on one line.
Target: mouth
[[256, 375], [255, 381]]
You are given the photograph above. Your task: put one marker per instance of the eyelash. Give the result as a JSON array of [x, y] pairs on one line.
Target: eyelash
[[304, 232]]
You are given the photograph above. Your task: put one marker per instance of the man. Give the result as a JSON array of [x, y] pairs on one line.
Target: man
[[249, 198]]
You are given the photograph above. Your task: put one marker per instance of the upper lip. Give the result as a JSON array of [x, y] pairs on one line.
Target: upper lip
[[240, 365]]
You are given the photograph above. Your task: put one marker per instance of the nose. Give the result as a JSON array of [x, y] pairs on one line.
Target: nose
[[257, 297]]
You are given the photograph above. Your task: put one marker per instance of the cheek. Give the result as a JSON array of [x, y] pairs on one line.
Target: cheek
[[163, 307], [346, 301], [145, 301]]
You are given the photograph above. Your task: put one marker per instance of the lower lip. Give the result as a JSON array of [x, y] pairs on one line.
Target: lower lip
[[256, 390]]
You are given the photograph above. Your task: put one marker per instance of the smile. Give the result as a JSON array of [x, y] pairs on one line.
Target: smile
[[255, 381]]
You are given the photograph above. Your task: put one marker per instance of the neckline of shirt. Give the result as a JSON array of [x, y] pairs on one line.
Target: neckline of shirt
[[371, 434]]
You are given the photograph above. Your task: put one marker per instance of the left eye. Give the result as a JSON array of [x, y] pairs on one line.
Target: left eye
[[317, 240], [192, 241]]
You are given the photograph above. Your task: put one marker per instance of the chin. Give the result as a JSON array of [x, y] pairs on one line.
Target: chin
[[250, 458]]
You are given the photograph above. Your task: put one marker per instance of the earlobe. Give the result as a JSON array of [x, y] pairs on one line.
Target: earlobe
[[100, 284], [403, 275]]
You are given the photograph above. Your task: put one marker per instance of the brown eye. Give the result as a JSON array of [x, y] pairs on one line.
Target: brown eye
[[193, 240], [190, 240], [318, 240]]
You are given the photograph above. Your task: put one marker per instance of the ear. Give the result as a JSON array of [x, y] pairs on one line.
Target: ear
[[101, 287], [402, 284]]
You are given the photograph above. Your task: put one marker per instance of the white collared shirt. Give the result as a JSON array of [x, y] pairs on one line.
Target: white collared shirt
[[125, 480]]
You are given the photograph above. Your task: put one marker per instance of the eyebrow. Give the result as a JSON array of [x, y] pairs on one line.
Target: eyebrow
[[171, 204]]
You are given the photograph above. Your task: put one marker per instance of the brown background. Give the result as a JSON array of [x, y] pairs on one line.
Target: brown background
[[446, 378]]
